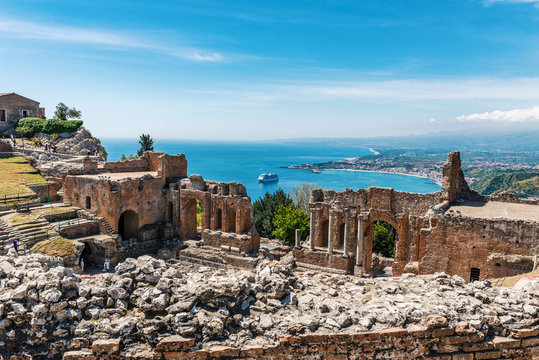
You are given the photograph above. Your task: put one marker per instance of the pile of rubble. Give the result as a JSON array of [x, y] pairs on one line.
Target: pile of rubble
[[43, 305]]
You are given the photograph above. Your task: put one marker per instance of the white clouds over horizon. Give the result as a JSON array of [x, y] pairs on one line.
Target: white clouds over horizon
[[510, 116], [58, 33]]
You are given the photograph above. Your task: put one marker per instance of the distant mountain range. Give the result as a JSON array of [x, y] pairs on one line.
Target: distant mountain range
[[469, 140]]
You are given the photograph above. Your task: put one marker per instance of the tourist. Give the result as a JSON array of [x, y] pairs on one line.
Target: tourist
[[15, 246], [106, 266], [22, 143], [81, 265]]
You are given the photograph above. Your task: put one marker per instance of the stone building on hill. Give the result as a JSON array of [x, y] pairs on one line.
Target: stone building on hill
[[14, 107]]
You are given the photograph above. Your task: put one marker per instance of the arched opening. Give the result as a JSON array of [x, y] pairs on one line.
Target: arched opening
[[340, 245], [384, 239], [325, 233], [200, 213], [128, 225], [189, 219], [231, 217], [475, 274], [88, 202], [169, 212], [219, 219]]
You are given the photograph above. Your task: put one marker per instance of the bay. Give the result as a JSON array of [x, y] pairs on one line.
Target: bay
[[243, 162]]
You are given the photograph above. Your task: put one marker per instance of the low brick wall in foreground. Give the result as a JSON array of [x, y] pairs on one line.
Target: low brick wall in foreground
[[444, 343]]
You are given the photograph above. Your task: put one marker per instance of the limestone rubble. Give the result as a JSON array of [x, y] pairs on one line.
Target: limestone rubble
[[44, 305]]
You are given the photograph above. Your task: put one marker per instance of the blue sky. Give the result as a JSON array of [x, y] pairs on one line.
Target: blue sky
[[248, 70]]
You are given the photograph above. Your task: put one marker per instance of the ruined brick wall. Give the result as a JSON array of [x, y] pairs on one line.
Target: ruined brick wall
[[455, 244], [415, 342], [5, 146], [228, 213], [14, 104], [127, 165], [109, 199], [454, 185]]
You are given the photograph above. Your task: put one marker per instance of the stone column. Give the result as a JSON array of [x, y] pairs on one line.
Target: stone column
[[237, 226], [330, 232], [298, 238], [346, 231], [311, 231], [224, 224], [359, 249]]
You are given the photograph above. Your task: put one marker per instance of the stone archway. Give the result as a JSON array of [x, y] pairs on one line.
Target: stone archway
[[128, 225], [394, 222]]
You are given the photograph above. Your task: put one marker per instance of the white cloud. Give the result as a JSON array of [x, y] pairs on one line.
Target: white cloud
[[58, 33], [517, 115]]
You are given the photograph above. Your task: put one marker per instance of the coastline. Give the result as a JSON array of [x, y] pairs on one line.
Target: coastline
[[385, 172], [374, 151]]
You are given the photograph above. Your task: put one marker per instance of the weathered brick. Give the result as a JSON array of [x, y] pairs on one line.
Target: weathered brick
[[524, 333], [78, 355], [462, 356], [505, 343], [78, 343], [417, 331], [373, 335], [442, 332], [180, 355], [106, 346], [175, 342], [533, 341], [488, 355], [221, 351], [254, 350], [394, 332], [453, 340], [147, 355], [478, 346]]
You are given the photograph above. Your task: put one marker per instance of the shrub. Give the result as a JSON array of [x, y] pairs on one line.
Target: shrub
[[265, 209], [29, 126], [287, 220]]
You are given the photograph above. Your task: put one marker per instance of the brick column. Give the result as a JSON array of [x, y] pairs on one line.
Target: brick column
[[224, 224], [346, 231], [330, 232], [311, 231], [359, 242]]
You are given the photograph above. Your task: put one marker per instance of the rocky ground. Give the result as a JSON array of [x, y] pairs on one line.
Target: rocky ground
[[76, 143], [43, 305]]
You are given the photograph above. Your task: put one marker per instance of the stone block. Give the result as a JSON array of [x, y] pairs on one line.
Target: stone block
[[532, 341], [174, 342], [505, 343], [436, 321], [252, 351], [462, 356], [222, 351], [106, 346], [394, 333], [78, 343], [488, 355], [524, 333], [78, 355]]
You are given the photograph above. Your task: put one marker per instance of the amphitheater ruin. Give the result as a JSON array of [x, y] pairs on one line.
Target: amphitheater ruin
[[456, 230]]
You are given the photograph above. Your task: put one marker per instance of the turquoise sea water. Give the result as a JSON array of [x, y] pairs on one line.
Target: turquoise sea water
[[244, 161]]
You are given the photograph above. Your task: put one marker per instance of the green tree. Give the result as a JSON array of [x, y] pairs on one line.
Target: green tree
[[383, 241], [301, 195], [63, 112], [129, 157], [265, 209], [287, 220], [146, 144]]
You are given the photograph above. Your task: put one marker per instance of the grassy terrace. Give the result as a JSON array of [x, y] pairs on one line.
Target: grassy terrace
[[15, 173]]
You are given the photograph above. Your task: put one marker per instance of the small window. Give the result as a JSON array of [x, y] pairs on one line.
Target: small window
[[475, 274], [88, 202], [3, 116]]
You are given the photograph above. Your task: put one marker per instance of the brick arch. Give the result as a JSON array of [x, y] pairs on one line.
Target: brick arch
[[188, 228], [400, 244]]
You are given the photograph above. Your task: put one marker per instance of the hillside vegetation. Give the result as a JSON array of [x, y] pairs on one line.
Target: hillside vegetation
[[493, 181]]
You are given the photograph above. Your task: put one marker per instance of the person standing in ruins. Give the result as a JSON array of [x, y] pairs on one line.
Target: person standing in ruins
[[81, 265], [16, 246]]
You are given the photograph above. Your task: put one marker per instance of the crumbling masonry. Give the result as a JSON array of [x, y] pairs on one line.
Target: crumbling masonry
[[151, 200], [455, 230]]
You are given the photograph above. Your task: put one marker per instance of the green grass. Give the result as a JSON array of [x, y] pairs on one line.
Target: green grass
[[52, 210], [55, 247], [15, 172], [21, 219]]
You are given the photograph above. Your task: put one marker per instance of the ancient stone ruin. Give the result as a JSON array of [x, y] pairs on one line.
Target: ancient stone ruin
[[455, 230], [145, 202]]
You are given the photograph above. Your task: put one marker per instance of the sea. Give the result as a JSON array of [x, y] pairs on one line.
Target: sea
[[243, 162]]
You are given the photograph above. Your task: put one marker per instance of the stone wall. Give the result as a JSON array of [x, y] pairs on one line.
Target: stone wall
[[456, 244], [436, 342], [5, 146]]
